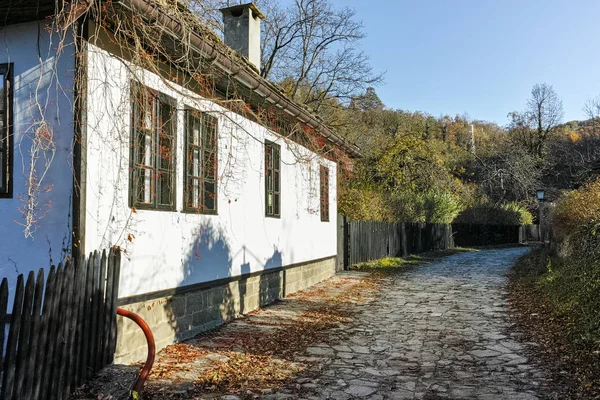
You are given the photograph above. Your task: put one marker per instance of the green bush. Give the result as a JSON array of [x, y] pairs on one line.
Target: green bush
[[363, 204], [505, 214], [440, 208], [525, 217]]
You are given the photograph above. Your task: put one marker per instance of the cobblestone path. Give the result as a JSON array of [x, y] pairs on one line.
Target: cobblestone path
[[437, 331]]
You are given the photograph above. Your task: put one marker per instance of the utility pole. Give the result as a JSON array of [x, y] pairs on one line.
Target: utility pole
[[472, 144]]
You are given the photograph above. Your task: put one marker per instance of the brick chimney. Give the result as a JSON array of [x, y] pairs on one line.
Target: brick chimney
[[242, 30]]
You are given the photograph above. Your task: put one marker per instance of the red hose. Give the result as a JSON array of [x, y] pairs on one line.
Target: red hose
[[139, 384]]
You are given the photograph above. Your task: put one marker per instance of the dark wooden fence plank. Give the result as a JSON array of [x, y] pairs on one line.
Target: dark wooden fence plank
[[94, 316], [87, 331], [67, 331], [24, 342], [8, 379], [42, 350], [116, 254], [58, 332], [3, 318], [101, 311], [108, 310], [35, 338], [51, 358], [81, 272]]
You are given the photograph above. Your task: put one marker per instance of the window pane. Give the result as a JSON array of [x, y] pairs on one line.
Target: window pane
[[2, 107], [144, 194], [210, 164], [195, 162], [276, 181], [2, 172], [2, 93], [324, 192], [195, 133], [144, 149], [165, 145], [276, 157], [209, 196], [144, 109], [210, 132], [193, 193], [269, 180], [5, 115], [165, 181], [276, 204], [268, 158], [166, 152]]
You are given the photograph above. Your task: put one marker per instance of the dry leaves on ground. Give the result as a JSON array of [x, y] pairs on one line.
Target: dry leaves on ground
[[266, 349]]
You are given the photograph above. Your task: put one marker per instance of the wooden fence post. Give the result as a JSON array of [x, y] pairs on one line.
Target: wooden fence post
[[46, 355]]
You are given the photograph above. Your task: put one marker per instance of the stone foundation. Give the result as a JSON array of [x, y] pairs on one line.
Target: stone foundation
[[182, 313]]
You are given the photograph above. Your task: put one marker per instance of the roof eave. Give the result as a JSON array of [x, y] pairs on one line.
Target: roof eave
[[242, 72]]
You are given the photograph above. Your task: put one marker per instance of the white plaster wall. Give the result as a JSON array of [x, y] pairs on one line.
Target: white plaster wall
[[170, 249], [52, 80]]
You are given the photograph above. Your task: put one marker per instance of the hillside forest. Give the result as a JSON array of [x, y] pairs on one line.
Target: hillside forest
[[418, 167]]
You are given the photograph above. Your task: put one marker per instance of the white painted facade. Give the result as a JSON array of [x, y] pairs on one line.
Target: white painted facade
[[172, 249], [163, 249], [43, 85]]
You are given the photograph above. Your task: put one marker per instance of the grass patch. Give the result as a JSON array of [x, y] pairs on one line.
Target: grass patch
[[557, 304], [398, 263]]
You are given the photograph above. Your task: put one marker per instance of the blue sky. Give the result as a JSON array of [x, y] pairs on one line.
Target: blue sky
[[481, 57]]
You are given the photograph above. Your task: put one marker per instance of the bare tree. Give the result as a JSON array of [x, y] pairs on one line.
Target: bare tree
[[310, 47], [592, 110], [314, 46], [546, 112]]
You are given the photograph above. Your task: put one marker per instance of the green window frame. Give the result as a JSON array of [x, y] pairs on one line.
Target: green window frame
[[153, 134], [272, 179], [324, 192], [6, 134], [201, 162]]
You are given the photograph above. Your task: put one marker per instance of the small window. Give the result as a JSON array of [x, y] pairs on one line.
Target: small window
[[272, 180], [152, 183], [200, 163], [324, 185], [6, 130]]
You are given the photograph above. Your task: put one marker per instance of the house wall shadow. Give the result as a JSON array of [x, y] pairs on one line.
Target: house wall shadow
[[272, 286], [197, 307]]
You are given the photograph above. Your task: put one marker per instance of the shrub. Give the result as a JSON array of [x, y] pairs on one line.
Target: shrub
[[440, 208], [525, 217], [506, 214], [366, 205], [578, 211], [374, 205]]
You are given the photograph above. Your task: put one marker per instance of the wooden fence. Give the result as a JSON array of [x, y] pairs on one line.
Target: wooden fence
[[368, 240], [467, 235], [530, 233], [361, 241], [62, 328]]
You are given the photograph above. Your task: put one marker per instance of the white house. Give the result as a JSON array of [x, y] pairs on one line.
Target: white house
[[126, 123]]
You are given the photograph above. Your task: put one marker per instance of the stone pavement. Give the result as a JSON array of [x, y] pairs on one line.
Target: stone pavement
[[440, 330]]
